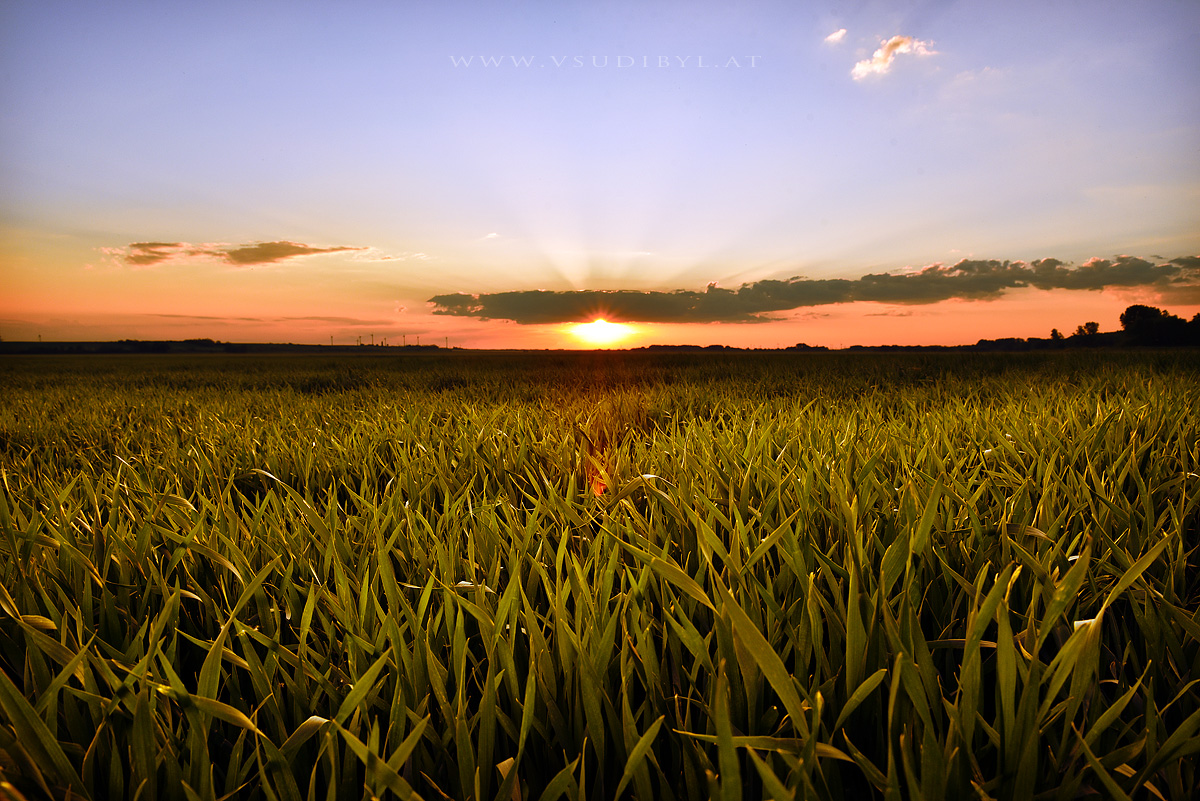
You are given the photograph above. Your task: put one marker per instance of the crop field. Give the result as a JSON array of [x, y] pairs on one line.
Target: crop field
[[600, 575]]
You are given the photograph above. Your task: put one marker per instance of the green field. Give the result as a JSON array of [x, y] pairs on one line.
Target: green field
[[503, 576]]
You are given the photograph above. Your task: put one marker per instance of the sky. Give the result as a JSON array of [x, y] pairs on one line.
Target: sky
[[491, 174]]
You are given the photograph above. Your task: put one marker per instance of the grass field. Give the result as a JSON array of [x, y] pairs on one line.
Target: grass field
[[600, 575]]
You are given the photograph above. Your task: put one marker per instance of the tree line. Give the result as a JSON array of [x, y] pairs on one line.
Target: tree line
[[1143, 325]]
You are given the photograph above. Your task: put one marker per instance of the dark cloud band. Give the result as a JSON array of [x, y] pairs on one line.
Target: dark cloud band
[[145, 254], [973, 279]]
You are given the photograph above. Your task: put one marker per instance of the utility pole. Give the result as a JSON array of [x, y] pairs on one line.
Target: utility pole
[[372, 340], [447, 343], [404, 340], [331, 340]]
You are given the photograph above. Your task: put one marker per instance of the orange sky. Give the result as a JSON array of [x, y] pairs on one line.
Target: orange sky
[[253, 304]]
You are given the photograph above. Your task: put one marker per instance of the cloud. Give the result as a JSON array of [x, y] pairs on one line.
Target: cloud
[[346, 320], [271, 252], [968, 279], [881, 62], [210, 317], [283, 319], [148, 254], [371, 254], [1122, 271], [836, 36]]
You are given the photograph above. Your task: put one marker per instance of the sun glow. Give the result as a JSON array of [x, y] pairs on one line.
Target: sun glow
[[600, 332]]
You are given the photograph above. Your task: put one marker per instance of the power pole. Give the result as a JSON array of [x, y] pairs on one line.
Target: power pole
[[372, 340]]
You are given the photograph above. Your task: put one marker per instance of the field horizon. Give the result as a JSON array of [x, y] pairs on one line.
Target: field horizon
[[604, 574]]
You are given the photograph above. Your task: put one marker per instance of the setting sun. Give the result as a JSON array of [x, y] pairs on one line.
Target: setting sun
[[601, 332]]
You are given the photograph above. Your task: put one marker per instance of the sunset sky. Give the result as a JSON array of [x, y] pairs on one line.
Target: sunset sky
[[489, 174]]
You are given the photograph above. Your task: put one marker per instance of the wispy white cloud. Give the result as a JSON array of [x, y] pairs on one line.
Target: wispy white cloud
[[836, 36], [375, 254], [881, 62]]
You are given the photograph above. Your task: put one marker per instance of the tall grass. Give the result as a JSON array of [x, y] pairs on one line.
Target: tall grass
[[600, 575]]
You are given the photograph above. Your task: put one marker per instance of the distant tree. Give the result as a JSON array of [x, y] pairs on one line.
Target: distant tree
[[1146, 325], [1056, 335], [1087, 329]]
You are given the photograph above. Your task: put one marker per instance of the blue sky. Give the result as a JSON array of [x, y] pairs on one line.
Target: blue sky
[[570, 160]]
